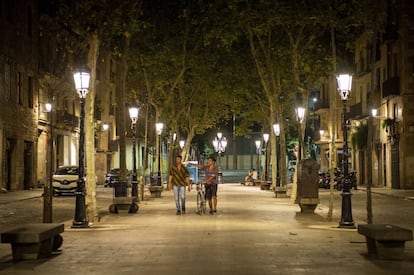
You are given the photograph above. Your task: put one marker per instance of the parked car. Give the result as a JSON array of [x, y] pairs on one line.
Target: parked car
[[113, 176], [64, 180], [291, 165]]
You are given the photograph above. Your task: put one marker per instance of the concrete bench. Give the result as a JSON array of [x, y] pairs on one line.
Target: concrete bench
[[155, 191], [385, 241], [280, 192], [265, 185], [34, 241]]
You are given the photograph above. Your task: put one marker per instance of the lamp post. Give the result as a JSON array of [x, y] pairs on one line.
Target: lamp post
[[276, 129], [48, 188], [258, 144], [133, 114], [265, 139], [159, 126], [220, 144], [81, 79], [300, 114], [182, 143], [105, 126], [344, 87]]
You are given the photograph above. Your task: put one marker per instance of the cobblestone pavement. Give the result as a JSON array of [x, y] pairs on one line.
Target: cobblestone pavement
[[252, 233]]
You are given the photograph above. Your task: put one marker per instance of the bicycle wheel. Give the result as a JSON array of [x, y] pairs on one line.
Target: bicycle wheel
[[203, 203], [199, 203]]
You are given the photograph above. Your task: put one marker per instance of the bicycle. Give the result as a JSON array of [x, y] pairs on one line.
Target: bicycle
[[201, 199]]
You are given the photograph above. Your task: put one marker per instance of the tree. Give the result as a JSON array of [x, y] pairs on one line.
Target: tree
[[97, 24]]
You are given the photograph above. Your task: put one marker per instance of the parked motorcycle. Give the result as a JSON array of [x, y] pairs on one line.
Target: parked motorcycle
[[339, 182], [325, 179]]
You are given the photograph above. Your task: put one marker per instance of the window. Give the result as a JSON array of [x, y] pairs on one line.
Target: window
[[361, 61], [7, 81], [395, 65], [111, 106], [395, 111], [30, 92], [378, 79], [10, 11], [19, 88], [369, 54], [29, 22]]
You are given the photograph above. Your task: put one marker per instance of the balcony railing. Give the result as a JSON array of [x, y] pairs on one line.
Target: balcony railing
[[355, 111], [68, 120], [391, 87], [113, 145], [322, 104]]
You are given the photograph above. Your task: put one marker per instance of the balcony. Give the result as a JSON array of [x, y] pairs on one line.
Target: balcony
[[355, 111], [321, 104], [113, 145], [66, 119], [391, 87]]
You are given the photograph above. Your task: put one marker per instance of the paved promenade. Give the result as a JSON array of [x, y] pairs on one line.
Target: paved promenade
[[252, 233]]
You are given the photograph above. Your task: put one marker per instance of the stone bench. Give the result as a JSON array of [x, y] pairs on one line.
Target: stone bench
[[34, 241], [264, 184], [280, 192], [155, 191], [308, 205], [385, 241]]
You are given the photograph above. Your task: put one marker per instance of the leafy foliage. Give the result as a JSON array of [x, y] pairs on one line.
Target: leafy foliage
[[359, 138]]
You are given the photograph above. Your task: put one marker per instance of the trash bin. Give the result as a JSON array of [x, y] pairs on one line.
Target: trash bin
[[307, 185], [220, 176], [122, 199], [121, 189]]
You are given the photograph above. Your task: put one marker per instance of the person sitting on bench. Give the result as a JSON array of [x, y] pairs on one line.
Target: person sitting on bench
[[251, 177]]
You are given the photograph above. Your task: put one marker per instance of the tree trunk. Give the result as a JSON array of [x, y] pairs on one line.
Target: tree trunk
[[370, 137], [90, 199], [332, 148]]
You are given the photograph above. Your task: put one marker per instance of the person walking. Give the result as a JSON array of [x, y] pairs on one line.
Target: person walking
[[178, 179], [210, 183]]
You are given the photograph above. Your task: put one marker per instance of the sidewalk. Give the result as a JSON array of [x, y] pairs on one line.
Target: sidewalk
[[397, 193], [20, 195], [252, 233]]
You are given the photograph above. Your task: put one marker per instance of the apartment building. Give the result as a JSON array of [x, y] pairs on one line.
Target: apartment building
[[383, 80], [18, 93]]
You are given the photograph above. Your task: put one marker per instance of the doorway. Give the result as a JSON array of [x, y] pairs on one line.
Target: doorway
[[28, 164], [10, 147]]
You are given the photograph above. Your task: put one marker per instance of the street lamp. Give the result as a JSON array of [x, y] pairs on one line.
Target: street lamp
[[133, 114], [344, 88], [159, 126], [300, 114], [48, 188], [220, 144], [105, 126], [258, 145], [276, 129], [81, 79], [265, 139], [182, 143]]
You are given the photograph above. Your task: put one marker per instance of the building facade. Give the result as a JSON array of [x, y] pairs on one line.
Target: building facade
[[383, 81], [18, 94]]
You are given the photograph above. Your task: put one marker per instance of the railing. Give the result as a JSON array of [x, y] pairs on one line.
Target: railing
[[391, 87], [69, 120], [355, 111], [321, 105]]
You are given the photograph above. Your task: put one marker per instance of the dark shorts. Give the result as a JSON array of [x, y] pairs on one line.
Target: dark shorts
[[211, 191]]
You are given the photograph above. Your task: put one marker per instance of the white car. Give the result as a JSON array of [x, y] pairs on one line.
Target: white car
[[65, 180]]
